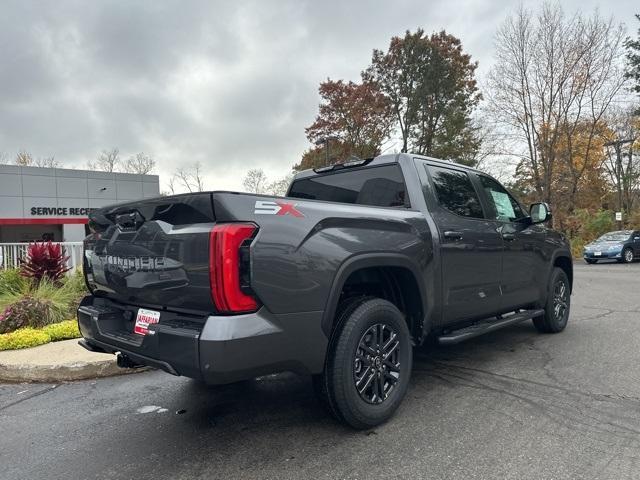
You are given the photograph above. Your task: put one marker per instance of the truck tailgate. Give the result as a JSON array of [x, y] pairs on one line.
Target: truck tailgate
[[153, 252]]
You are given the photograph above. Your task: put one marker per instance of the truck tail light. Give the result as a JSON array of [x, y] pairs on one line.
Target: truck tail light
[[229, 269]]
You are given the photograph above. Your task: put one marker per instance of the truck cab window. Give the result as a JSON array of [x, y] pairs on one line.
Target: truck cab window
[[455, 191], [505, 207], [378, 186]]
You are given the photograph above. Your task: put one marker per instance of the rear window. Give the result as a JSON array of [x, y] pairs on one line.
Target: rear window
[[455, 192], [378, 186]]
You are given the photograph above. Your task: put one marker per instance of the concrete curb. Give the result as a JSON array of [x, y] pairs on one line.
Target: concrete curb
[[57, 362], [59, 373]]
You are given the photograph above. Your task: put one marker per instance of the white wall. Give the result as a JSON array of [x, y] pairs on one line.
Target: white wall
[[60, 192], [41, 195], [73, 232]]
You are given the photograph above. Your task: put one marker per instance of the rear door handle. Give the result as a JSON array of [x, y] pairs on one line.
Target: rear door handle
[[453, 235], [508, 237]]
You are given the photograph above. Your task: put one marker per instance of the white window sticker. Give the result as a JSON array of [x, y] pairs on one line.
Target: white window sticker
[[504, 208]]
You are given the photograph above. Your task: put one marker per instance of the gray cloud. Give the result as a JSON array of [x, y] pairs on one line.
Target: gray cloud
[[230, 84]]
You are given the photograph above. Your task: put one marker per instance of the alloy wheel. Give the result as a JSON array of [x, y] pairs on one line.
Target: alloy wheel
[[628, 255], [377, 363], [560, 299]]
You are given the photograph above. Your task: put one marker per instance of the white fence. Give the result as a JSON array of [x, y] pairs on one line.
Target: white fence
[[10, 253]]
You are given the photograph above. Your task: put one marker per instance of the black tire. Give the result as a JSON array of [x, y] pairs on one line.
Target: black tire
[[343, 312], [382, 373], [590, 261], [558, 307], [627, 255]]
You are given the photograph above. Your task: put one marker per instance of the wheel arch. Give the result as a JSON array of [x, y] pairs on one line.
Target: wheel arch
[[405, 288], [564, 262]]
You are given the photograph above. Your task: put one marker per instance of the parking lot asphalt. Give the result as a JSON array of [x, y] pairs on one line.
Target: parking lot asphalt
[[512, 404]]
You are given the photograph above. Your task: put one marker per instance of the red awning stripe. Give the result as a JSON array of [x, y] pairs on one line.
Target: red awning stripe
[[42, 221]]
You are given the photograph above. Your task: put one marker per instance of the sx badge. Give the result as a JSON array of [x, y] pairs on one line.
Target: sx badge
[[264, 207]]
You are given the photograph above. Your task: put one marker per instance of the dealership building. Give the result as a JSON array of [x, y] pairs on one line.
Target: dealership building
[[53, 203]]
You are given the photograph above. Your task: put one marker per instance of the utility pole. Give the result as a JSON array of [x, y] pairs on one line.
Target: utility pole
[[617, 145]]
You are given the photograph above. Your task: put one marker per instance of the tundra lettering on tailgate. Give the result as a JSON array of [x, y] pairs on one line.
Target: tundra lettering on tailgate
[[264, 207], [114, 263]]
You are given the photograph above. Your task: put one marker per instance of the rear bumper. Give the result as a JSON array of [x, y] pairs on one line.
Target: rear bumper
[[216, 350]]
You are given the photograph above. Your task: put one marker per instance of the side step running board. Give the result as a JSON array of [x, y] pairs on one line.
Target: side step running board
[[486, 326]]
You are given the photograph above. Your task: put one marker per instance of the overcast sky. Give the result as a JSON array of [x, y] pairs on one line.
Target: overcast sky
[[230, 84]]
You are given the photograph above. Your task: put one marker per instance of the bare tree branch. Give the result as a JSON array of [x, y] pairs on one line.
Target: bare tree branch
[[25, 159], [553, 81], [255, 181], [141, 163], [106, 161], [190, 177]]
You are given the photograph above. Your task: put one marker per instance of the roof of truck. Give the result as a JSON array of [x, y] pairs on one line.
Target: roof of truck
[[381, 160]]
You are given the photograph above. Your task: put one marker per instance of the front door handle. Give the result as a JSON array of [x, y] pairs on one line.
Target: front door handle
[[453, 235], [508, 237]]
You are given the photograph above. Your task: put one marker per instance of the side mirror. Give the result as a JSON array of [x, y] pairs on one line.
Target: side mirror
[[539, 213]]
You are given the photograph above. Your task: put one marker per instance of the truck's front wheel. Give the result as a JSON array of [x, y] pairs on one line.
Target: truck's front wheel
[[369, 363], [556, 312]]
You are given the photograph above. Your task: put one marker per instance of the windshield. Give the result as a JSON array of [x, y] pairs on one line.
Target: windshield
[[614, 237]]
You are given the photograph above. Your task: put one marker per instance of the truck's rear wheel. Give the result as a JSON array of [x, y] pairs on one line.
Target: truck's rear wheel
[[556, 311], [368, 364]]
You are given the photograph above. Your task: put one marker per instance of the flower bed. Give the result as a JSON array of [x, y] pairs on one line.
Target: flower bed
[[32, 337], [38, 299]]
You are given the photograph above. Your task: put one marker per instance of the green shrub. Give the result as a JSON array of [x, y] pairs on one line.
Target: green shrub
[[12, 282], [61, 300], [585, 226], [63, 330], [26, 312], [27, 304], [75, 283], [32, 337], [577, 247], [598, 223], [23, 338], [76, 288], [11, 296]]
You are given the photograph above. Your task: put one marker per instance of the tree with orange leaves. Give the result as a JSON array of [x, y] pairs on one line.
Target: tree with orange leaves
[[355, 118]]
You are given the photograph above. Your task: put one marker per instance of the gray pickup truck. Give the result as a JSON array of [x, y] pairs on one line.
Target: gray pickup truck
[[340, 279]]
